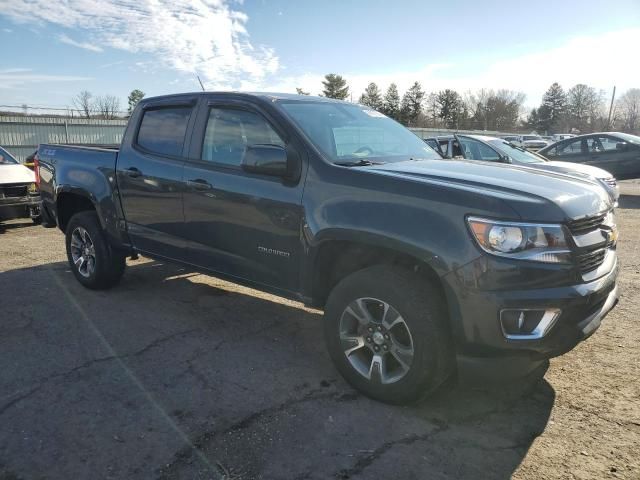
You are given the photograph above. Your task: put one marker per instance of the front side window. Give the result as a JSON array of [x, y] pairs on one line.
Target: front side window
[[609, 144], [229, 131], [350, 133], [475, 150], [162, 130]]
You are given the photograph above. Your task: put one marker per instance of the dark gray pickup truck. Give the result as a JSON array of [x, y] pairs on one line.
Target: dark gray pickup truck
[[425, 268]]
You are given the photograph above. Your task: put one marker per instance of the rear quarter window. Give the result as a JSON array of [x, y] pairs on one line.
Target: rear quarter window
[[162, 130]]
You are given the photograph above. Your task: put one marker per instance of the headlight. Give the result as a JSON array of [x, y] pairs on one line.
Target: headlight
[[33, 188], [522, 241]]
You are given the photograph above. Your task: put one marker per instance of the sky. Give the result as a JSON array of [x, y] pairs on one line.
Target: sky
[[51, 50]]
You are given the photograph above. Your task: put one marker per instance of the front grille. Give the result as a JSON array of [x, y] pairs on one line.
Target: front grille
[[591, 260], [578, 227], [13, 192]]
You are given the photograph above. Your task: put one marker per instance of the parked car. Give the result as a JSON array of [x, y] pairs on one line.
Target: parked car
[[423, 266], [510, 138], [618, 153], [530, 142], [562, 136], [492, 149], [19, 196]]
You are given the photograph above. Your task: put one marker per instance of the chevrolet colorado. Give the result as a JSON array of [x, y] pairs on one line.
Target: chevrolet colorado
[[425, 268]]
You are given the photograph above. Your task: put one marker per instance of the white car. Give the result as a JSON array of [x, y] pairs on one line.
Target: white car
[[530, 142], [19, 196]]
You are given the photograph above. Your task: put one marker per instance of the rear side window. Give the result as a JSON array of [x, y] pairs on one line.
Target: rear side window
[[162, 130]]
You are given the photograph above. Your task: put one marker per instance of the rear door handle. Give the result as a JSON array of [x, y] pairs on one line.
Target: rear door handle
[[133, 172], [199, 184]]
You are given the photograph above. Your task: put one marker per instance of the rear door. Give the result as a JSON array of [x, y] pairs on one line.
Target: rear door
[[237, 223], [149, 172]]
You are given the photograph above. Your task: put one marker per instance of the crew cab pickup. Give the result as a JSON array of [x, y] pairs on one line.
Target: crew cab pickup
[[425, 268]]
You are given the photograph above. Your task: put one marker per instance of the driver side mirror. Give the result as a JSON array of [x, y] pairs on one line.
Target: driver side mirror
[[265, 160], [272, 160], [505, 159]]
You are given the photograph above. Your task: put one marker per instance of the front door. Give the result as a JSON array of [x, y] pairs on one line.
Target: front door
[[237, 223], [613, 155], [149, 173]]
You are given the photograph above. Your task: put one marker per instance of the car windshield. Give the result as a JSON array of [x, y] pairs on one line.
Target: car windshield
[[6, 158], [531, 137], [629, 138], [356, 134], [515, 153]]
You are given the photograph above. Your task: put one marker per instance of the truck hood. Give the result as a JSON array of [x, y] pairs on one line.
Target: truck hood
[[569, 167], [13, 173], [525, 189]]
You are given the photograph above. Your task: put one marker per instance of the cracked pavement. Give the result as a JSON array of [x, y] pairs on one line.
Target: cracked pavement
[[176, 375]]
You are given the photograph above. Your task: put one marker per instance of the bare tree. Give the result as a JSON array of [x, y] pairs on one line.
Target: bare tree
[[84, 103], [108, 106], [629, 107], [585, 106]]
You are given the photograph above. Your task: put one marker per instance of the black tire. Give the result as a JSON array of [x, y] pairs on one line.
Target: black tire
[[423, 311], [37, 220], [108, 265]]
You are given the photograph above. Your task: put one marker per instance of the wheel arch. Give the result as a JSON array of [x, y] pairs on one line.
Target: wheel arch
[[343, 253]]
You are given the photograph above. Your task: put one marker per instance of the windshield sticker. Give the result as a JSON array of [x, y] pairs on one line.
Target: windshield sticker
[[374, 114]]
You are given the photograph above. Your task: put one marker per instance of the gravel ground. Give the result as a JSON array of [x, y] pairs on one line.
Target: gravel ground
[[178, 375]]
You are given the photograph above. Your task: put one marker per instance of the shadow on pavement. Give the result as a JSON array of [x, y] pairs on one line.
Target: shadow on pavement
[[629, 201], [177, 375], [6, 225]]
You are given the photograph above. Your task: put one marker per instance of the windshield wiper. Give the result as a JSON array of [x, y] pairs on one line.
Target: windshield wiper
[[359, 163]]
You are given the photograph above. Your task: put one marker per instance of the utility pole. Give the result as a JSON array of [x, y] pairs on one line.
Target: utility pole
[[613, 96]]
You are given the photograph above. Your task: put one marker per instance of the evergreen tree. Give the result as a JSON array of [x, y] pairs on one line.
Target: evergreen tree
[[451, 108], [553, 107], [335, 87], [134, 97], [414, 98], [391, 102], [372, 97], [532, 120]]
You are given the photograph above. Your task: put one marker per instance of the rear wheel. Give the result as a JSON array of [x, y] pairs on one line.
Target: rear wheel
[[93, 261], [386, 332]]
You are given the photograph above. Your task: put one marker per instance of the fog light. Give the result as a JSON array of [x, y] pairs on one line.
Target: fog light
[[527, 324]]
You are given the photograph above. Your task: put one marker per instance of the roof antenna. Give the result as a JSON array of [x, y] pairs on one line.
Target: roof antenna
[[200, 82]]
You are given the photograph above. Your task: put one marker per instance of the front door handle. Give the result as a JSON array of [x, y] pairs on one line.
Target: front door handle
[[199, 184], [133, 172]]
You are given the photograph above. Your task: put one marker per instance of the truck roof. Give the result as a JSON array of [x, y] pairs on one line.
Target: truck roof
[[269, 96]]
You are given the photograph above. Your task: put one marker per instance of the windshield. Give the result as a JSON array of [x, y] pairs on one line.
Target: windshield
[[629, 138], [531, 137], [354, 133], [515, 153], [6, 158]]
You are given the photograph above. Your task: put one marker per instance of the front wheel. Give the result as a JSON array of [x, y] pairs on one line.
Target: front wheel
[[93, 261], [387, 334]]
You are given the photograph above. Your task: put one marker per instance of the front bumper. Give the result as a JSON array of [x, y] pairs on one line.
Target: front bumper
[[20, 207], [482, 345]]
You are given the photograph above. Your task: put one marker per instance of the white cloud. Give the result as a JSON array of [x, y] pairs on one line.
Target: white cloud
[[13, 78], [85, 45], [206, 36]]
